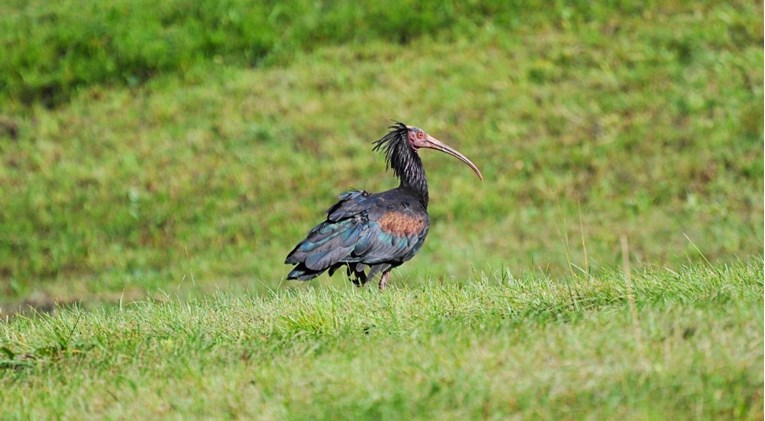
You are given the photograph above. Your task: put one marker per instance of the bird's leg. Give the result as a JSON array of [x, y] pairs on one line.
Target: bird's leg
[[384, 279]]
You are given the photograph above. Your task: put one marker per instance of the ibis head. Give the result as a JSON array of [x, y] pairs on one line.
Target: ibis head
[[400, 146], [417, 138]]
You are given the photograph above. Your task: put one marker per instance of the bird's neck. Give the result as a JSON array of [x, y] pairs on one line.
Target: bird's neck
[[414, 180]]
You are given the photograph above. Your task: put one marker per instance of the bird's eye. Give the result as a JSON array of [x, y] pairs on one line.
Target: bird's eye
[[420, 135]]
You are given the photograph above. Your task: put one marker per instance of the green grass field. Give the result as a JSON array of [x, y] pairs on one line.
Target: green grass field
[[155, 171], [494, 346]]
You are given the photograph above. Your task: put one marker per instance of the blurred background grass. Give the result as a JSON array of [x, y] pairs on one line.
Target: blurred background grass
[[185, 148], [53, 49]]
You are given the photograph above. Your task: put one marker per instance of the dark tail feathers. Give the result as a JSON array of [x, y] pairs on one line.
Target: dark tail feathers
[[302, 273]]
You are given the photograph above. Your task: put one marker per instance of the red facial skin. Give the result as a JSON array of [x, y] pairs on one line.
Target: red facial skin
[[419, 139]]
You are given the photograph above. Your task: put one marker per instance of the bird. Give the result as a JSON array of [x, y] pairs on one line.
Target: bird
[[372, 233]]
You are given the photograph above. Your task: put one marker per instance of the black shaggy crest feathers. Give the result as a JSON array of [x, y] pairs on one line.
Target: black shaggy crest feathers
[[404, 160]]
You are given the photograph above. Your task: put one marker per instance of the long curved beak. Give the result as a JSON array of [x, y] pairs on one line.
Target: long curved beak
[[433, 143]]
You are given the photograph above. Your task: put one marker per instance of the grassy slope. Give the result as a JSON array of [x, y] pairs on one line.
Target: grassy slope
[[51, 50], [647, 125], [491, 347]]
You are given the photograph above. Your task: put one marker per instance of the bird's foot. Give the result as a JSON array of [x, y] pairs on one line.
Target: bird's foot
[[359, 278], [384, 280]]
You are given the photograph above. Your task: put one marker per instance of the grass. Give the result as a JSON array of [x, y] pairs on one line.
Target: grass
[[645, 127], [51, 51], [494, 346], [148, 204]]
